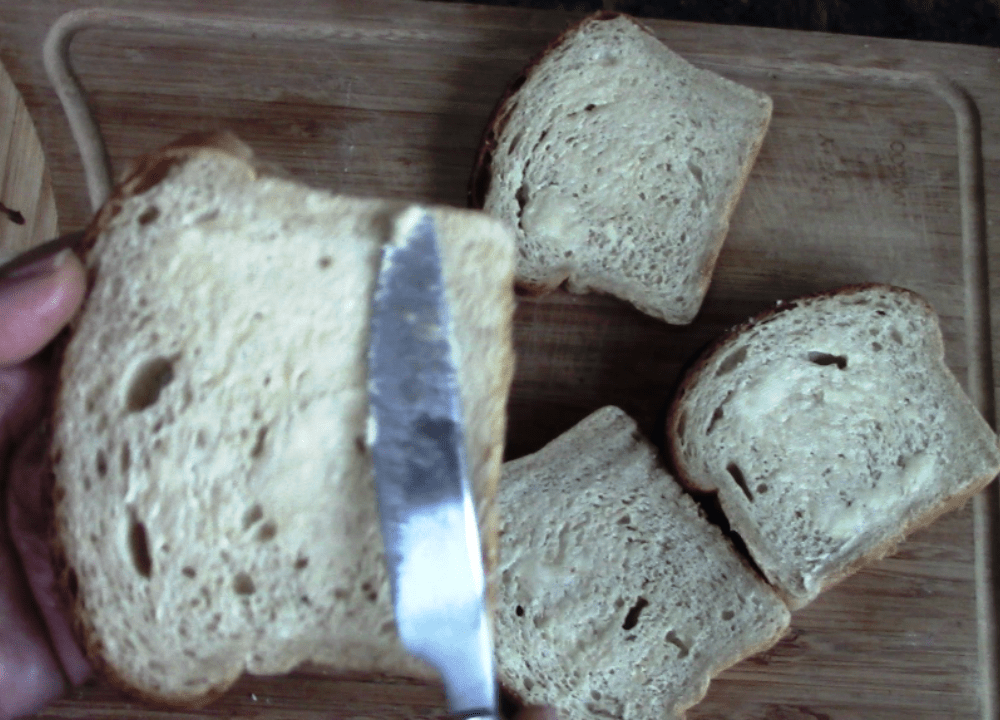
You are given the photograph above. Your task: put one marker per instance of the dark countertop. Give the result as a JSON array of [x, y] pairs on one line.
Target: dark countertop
[[975, 22]]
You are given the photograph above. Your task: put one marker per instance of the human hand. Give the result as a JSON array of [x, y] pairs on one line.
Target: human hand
[[39, 293]]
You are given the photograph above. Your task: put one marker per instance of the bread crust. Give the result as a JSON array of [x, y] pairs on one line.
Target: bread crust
[[482, 176], [694, 376], [145, 173]]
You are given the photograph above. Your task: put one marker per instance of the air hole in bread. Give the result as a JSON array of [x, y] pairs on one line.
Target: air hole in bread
[[258, 447], [632, 618], [149, 215], [679, 644], [252, 515], [522, 199], [207, 216], [589, 107], [188, 571], [596, 694], [728, 614], [148, 382], [126, 458], [876, 346], [102, 463], [731, 362], [734, 470], [139, 547], [896, 336], [514, 142], [762, 488], [324, 262], [243, 584], [301, 563], [371, 594], [822, 358], [519, 611], [387, 627], [528, 683], [716, 416], [625, 519], [267, 532], [696, 172]]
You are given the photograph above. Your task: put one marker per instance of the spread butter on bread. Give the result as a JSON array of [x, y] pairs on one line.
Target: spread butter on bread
[[214, 502], [830, 427], [619, 164]]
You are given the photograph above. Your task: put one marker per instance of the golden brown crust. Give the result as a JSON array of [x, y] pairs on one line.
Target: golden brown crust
[[152, 168], [888, 547]]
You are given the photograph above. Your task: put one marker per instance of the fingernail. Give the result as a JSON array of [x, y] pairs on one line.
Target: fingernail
[[30, 268]]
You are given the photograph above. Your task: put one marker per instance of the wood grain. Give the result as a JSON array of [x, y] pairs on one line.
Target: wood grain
[[882, 164], [27, 206]]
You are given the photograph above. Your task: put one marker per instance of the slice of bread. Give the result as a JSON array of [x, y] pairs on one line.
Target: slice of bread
[[831, 428], [214, 500], [617, 597], [619, 165]]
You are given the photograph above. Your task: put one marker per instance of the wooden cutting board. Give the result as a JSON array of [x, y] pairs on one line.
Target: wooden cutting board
[[27, 205], [882, 163]]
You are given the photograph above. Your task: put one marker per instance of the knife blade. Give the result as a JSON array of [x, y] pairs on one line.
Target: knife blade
[[428, 520]]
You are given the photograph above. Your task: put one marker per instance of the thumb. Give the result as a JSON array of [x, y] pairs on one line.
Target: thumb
[[29, 511], [36, 301]]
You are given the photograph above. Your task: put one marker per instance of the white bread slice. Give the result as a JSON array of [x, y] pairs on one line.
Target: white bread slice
[[619, 165], [617, 597], [831, 428], [214, 499]]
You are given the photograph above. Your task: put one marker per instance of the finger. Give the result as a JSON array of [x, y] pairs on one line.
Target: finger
[[22, 394], [36, 301], [30, 675], [29, 511]]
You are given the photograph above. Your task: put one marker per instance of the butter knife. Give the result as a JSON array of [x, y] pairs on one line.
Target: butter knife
[[428, 519]]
